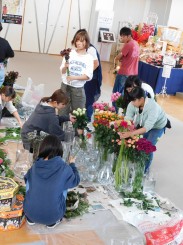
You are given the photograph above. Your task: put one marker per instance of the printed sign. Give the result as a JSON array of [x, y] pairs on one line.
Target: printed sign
[[12, 11]]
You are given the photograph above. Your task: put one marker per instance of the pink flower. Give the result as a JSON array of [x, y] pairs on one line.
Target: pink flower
[[1, 161]]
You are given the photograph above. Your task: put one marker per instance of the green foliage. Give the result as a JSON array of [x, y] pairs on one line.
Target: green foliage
[[10, 134], [82, 208], [5, 164]]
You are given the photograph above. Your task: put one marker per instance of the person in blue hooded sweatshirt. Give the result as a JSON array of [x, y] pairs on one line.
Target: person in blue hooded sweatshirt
[[47, 182]]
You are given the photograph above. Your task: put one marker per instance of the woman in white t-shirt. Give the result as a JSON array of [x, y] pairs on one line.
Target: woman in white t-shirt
[[80, 66], [92, 87], [7, 94]]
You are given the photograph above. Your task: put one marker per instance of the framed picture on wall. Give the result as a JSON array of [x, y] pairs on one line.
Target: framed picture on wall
[[107, 36]]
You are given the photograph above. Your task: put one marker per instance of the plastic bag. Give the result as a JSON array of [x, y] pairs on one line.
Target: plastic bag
[[32, 94]]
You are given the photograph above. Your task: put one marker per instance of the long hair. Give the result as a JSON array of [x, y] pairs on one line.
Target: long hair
[[81, 35], [50, 147], [8, 91], [137, 93], [59, 96]]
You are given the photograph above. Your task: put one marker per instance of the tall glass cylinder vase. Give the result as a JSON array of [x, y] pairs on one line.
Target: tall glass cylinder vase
[[105, 174], [139, 176], [124, 176]]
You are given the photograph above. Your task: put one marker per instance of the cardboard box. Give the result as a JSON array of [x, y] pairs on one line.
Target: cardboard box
[[8, 189], [14, 219]]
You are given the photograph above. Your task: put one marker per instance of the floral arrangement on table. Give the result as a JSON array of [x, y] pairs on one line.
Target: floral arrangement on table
[[81, 124], [132, 153], [66, 53], [133, 150], [143, 36], [104, 115], [10, 78]]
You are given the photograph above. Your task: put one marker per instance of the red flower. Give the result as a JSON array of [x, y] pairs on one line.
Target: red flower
[[88, 135]]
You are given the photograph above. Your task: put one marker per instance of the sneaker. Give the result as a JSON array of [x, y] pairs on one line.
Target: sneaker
[[53, 225], [29, 222]]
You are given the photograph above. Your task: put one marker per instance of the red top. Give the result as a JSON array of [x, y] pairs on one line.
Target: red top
[[130, 58]]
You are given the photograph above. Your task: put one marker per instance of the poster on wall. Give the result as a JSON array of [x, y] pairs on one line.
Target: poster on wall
[[12, 11]]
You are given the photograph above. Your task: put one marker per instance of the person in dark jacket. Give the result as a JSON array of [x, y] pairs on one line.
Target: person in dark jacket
[[44, 118], [47, 182], [5, 53]]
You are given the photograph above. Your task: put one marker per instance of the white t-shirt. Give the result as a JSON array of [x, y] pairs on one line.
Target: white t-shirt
[[9, 106], [79, 64], [146, 87]]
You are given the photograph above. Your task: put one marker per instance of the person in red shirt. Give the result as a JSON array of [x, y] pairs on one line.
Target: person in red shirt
[[128, 58]]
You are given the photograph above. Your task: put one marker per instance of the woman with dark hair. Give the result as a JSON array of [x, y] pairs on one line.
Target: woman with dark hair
[[149, 118], [92, 87], [5, 53], [47, 182], [44, 117], [7, 94], [80, 66], [132, 82]]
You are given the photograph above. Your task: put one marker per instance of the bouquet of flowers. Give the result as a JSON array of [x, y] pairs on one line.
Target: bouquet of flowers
[[135, 150], [103, 107], [118, 99], [81, 124], [65, 53], [104, 128], [10, 78]]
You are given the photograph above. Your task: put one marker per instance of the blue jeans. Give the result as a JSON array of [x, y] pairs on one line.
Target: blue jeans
[[119, 86], [152, 135], [2, 74]]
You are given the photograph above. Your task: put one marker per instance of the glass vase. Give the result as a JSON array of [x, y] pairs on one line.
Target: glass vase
[[124, 176], [139, 176], [105, 174], [22, 164]]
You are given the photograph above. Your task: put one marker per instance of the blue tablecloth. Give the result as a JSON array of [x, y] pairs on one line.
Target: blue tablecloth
[[153, 76]]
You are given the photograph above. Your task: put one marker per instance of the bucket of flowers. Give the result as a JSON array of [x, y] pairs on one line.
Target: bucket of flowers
[[133, 153]]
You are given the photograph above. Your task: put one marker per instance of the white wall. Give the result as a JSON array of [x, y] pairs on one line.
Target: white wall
[[162, 9], [176, 17], [132, 11]]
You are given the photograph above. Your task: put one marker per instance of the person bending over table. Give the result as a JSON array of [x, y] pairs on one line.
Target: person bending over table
[[149, 119], [7, 94], [44, 118], [132, 82]]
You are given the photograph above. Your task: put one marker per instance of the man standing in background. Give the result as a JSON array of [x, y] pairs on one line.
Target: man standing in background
[[5, 53], [128, 58]]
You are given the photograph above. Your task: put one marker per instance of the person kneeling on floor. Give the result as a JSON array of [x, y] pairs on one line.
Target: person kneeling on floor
[[47, 182]]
